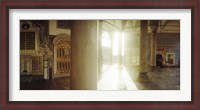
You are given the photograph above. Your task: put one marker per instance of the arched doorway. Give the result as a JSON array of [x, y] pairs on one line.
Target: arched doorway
[[62, 62]]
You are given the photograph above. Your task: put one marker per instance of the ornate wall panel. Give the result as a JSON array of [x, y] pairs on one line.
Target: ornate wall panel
[[27, 40], [36, 64]]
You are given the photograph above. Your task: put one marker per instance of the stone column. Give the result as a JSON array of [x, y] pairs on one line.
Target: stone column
[[143, 67], [153, 50], [143, 45], [84, 52], [154, 26]]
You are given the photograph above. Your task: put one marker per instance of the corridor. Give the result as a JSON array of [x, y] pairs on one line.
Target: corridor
[[100, 54]]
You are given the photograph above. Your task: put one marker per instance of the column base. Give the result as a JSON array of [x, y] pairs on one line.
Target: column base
[[143, 77], [152, 68]]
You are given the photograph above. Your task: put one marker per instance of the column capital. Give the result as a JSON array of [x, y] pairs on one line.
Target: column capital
[[101, 21], [154, 25]]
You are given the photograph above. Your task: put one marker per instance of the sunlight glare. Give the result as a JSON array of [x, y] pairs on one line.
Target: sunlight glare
[[115, 44], [130, 85], [113, 79], [123, 37], [105, 40]]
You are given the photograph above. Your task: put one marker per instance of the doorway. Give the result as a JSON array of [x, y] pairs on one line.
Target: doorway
[[62, 53], [114, 74]]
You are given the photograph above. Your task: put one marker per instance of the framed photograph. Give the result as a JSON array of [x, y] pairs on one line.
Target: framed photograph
[[170, 59], [100, 55]]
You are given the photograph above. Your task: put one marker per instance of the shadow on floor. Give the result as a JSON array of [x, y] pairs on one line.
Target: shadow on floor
[[38, 83]]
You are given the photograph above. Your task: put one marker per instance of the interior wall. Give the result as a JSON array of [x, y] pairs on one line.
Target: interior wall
[[170, 43], [53, 30], [33, 58], [84, 55]]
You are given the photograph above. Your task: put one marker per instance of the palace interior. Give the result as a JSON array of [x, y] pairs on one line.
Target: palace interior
[[99, 54]]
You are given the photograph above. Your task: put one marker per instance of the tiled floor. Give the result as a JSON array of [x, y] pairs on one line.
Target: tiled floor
[[164, 79], [115, 78], [41, 84], [127, 79]]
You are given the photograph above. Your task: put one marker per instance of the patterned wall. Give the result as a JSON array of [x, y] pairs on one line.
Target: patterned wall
[[33, 37], [27, 40]]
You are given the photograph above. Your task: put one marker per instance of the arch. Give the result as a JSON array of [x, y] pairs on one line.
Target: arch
[[61, 36], [62, 55]]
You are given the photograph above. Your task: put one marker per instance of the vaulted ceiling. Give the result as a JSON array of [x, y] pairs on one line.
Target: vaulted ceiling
[[164, 26]]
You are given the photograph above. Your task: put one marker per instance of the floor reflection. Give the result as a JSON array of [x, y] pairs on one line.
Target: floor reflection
[[116, 77]]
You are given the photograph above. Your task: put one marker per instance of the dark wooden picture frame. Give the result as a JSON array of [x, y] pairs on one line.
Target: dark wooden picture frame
[[6, 5]]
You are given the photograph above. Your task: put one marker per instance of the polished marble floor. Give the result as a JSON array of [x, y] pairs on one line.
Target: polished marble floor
[[126, 78], [114, 77]]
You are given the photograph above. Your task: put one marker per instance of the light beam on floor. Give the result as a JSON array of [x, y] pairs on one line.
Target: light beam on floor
[[115, 79]]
